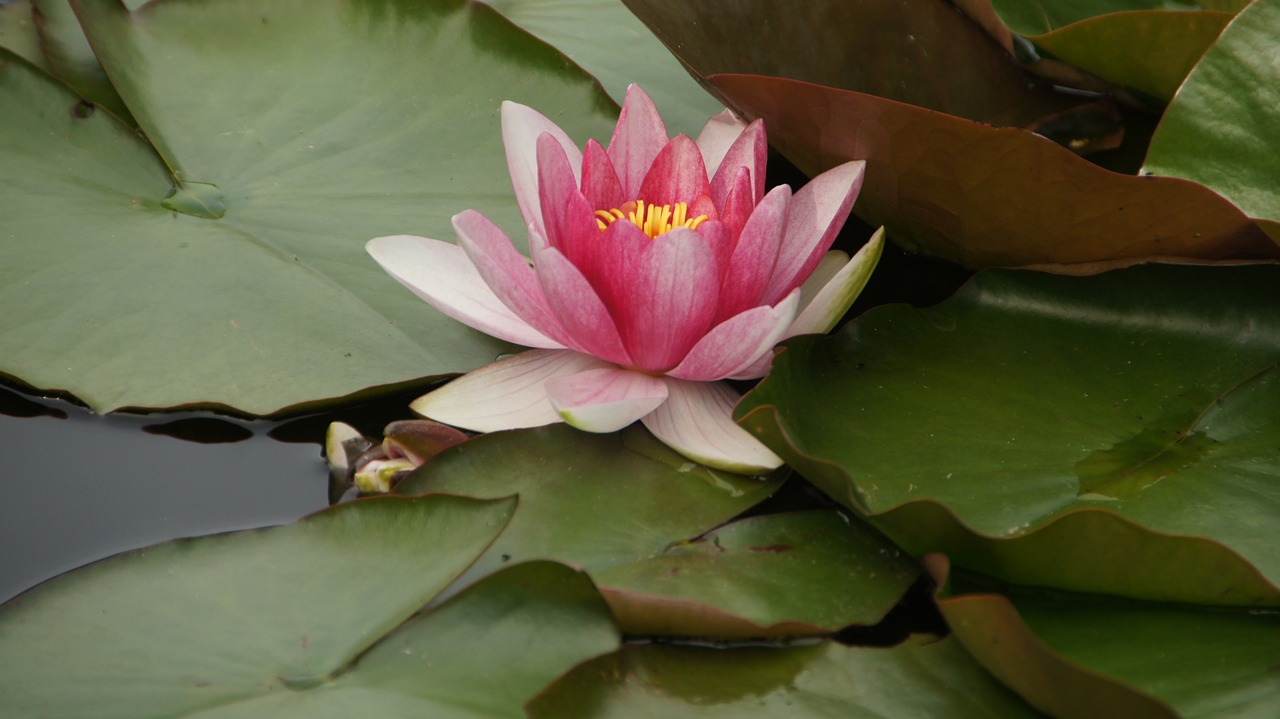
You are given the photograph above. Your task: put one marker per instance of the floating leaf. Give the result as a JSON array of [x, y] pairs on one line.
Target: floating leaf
[[1115, 434], [1038, 17], [920, 52], [311, 127], [1150, 51], [1223, 128], [611, 44], [588, 500], [986, 196], [774, 575], [291, 620], [18, 32], [821, 680], [1086, 656]]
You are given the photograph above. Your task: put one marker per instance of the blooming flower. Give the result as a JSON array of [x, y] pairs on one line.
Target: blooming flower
[[660, 266]]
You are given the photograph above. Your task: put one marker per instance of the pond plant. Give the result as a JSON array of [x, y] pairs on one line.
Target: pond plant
[[713, 464]]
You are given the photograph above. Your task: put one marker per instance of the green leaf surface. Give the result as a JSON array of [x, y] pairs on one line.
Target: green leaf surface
[[1085, 656], [1041, 16], [773, 575], [1151, 51], [613, 45], [588, 500], [820, 681], [1114, 434], [920, 52], [18, 32], [1223, 127], [257, 623], [985, 196], [311, 128], [67, 54]]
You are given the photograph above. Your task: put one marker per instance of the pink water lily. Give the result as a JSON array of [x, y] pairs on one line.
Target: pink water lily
[[659, 267]]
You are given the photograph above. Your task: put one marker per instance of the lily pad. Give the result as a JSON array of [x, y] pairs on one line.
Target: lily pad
[[18, 31], [1223, 127], [294, 620], [774, 575], [295, 133], [824, 680], [1085, 656], [613, 45], [1114, 434], [1151, 51], [1037, 17], [920, 52], [588, 500], [985, 196]]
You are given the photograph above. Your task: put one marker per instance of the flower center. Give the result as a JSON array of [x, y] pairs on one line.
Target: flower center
[[653, 219]]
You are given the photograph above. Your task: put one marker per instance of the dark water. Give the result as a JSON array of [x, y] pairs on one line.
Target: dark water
[[76, 487]]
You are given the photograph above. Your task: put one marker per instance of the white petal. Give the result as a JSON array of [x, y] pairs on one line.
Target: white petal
[[716, 137], [605, 399], [833, 297], [442, 274], [521, 127], [697, 421], [508, 394]]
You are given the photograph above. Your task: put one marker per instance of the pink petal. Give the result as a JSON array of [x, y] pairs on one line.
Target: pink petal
[[697, 421], [756, 254], [735, 344], [818, 211], [716, 138], [636, 140], [676, 175], [663, 293], [739, 203], [749, 151], [580, 310], [443, 275], [827, 303], [757, 369], [507, 273], [605, 399], [721, 239], [600, 183], [570, 223], [521, 128], [508, 394]]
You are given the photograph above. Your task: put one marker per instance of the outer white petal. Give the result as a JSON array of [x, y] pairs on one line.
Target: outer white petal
[[442, 274], [605, 399], [716, 138], [521, 127], [507, 394], [828, 303], [697, 421]]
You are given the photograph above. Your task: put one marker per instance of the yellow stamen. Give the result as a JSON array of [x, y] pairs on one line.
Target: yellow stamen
[[653, 219]]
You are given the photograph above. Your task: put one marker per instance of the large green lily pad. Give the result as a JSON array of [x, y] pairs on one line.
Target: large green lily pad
[[298, 130], [825, 680], [987, 196], [790, 574], [1085, 656], [1113, 434], [295, 620], [1037, 17], [1223, 127]]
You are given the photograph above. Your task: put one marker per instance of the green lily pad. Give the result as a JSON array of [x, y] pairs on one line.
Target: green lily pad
[[613, 45], [1084, 656], [297, 131], [18, 32], [1223, 127], [588, 500], [823, 680], [986, 196], [774, 575], [1038, 17], [1151, 51], [1113, 434], [294, 619]]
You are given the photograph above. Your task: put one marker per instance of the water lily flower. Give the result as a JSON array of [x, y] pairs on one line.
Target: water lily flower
[[660, 266]]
